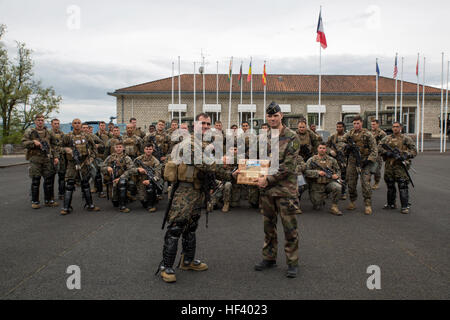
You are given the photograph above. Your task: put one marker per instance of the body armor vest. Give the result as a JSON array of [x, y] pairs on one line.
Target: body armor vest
[[360, 141], [130, 147]]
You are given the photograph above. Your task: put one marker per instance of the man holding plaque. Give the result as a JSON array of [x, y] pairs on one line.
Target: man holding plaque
[[279, 195]]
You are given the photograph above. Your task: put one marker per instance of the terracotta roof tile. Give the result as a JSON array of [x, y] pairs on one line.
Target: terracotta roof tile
[[281, 83]]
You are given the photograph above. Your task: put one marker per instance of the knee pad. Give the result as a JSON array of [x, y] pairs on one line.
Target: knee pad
[[402, 183], [175, 230], [194, 224], [85, 184], [390, 182], [36, 181], [70, 185], [122, 184]]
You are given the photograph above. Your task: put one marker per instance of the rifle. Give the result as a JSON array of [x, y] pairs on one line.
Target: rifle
[[339, 154], [397, 155], [220, 185], [77, 159], [304, 150], [157, 150], [354, 149], [45, 147], [328, 172], [151, 174], [169, 205], [112, 177], [209, 183]]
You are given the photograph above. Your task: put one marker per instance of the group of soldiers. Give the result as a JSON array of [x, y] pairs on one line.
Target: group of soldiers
[[139, 165]]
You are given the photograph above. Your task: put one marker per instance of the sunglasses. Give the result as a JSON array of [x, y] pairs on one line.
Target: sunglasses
[[207, 123]]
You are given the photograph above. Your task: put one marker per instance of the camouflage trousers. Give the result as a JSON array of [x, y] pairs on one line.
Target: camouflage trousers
[[41, 166], [379, 165], [394, 172], [72, 173], [287, 209], [253, 195], [232, 193], [319, 190], [186, 206], [352, 181]]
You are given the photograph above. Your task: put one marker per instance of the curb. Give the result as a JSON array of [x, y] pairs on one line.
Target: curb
[[13, 165]]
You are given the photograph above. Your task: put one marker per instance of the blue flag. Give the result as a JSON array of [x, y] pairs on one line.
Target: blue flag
[[377, 69]]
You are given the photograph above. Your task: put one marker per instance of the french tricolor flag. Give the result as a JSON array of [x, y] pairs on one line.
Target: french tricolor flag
[[320, 33]]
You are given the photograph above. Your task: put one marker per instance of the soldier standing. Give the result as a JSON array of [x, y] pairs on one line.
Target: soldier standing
[[116, 137], [60, 169], [80, 153], [99, 147], [361, 159], [183, 215], [378, 134], [101, 151], [279, 196], [336, 146], [42, 151], [321, 184], [395, 168], [147, 188], [137, 131], [118, 167], [313, 128]]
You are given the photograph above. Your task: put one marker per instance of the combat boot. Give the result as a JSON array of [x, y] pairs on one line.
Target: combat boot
[[405, 210], [265, 264], [376, 185], [151, 209], [168, 275], [88, 198], [404, 195], [35, 183], [335, 210], [344, 197], [48, 192], [351, 205], [292, 272], [195, 265], [187, 261], [368, 207], [226, 206]]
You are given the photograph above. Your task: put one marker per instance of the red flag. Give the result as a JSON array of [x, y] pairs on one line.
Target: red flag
[[264, 76], [417, 67], [320, 32]]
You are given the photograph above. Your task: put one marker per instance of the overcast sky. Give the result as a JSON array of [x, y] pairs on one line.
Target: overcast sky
[[85, 49]]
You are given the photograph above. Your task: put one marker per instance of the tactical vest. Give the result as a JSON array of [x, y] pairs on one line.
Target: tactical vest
[[58, 136], [42, 135], [104, 136], [377, 135], [80, 142], [360, 140], [339, 141], [120, 164], [397, 142], [325, 162], [129, 144], [112, 143], [305, 138]]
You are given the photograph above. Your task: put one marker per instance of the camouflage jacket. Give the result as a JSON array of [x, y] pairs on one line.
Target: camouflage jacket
[[366, 143], [337, 144], [82, 142], [59, 137], [402, 142], [378, 135], [124, 164], [283, 183], [105, 136], [325, 162], [151, 162], [132, 145], [162, 140], [310, 140], [109, 148], [43, 135], [138, 132]]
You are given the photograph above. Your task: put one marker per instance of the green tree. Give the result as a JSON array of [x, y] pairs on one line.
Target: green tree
[[21, 96]]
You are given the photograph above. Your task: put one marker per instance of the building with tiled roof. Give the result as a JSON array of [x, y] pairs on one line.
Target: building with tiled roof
[[297, 94]]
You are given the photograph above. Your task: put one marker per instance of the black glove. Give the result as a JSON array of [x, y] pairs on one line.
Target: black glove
[[389, 154], [366, 163]]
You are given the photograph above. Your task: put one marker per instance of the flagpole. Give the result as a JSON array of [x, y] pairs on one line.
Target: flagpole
[[418, 104], [173, 75], [179, 90], [194, 92], [442, 102], [395, 95], [251, 97], [231, 84], [446, 112], [240, 74], [376, 89], [320, 78], [217, 90], [264, 105], [423, 106], [401, 94], [203, 74]]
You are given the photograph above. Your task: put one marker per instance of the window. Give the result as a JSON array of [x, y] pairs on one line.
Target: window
[[314, 118]]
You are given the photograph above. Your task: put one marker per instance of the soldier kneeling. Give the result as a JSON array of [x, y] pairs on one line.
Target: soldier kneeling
[[117, 169], [324, 173], [149, 178]]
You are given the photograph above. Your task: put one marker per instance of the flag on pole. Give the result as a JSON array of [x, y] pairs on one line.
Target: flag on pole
[[377, 69], [229, 72], [264, 76], [240, 75], [395, 68], [249, 77], [320, 32]]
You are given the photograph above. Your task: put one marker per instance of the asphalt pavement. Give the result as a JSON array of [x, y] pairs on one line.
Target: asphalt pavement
[[118, 253]]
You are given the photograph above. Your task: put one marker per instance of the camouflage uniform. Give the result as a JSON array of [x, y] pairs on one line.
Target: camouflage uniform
[[104, 136], [162, 140], [378, 134], [322, 185], [109, 148], [337, 144], [368, 150], [124, 170], [183, 215], [147, 194], [132, 145], [393, 170], [280, 197], [60, 169], [41, 164], [138, 132], [101, 156], [86, 148]]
